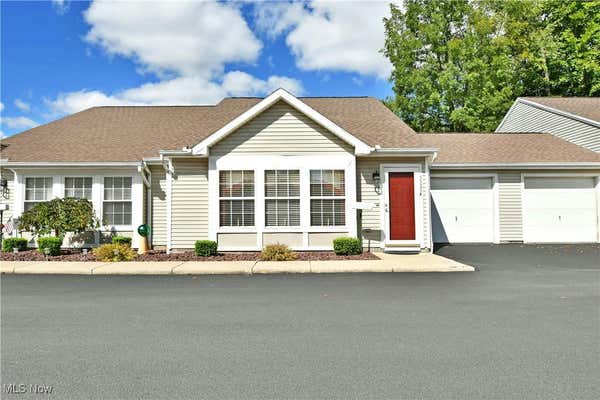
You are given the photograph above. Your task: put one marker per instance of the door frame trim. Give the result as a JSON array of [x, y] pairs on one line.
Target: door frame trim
[[495, 197], [561, 175], [418, 176]]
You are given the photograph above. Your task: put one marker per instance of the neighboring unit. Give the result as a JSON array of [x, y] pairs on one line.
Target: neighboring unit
[[302, 171], [576, 119]]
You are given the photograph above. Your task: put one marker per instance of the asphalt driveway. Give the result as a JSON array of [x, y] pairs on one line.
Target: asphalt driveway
[[525, 326]]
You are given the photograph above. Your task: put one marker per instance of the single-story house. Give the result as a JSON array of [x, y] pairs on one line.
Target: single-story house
[[576, 119], [302, 171]]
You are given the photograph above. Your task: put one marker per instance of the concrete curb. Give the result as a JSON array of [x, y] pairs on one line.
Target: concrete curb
[[386, 264]]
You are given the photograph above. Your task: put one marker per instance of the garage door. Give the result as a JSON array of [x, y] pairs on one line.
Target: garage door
[[560, 210], [462, 210]]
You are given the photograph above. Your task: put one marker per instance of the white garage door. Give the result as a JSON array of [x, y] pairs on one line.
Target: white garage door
[[560, 210], [462, 210]]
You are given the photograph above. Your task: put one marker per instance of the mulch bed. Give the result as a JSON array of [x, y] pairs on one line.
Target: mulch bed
[[34, 255], [74, 255]]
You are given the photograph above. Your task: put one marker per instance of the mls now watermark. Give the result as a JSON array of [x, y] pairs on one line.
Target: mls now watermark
[[23, 388]]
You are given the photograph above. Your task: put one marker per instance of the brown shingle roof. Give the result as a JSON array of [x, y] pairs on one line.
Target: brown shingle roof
[[505, 148], [586, 107], [132, 133]]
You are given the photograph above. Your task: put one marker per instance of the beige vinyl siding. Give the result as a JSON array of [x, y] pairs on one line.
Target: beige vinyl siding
[[190, 202], [510, 206], [158, 183], [371, 219], [10, 177], [280, 130], [527, 118]]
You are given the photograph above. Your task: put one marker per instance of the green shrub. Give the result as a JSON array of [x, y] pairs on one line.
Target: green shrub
[[121, 240], [277, 252], [9, 244], [114, 252], [344, 246], [205, 248], [49, 245]]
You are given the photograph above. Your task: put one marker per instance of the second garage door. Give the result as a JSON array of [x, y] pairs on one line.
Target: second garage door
[[462, 210], [560, 210]]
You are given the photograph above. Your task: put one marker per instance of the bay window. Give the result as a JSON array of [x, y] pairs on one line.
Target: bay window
[[37, 190], [327, 198], [282, 198], [79, 188], [116, 207], [236, 198]]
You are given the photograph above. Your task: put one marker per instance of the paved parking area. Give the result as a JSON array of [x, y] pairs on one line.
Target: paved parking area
[[524, 326]]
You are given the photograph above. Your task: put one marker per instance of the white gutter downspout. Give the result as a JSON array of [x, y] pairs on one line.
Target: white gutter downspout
[[169, 196]]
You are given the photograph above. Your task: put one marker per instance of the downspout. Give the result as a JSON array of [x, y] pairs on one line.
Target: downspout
[[169, 175]]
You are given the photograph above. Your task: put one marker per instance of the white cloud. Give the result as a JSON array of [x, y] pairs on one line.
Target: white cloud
[[18, 122], [177, 91], [61, 6], [23, 106], [327, 35], [1, 106], [184, 37]]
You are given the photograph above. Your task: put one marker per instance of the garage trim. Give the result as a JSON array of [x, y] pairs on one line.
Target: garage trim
[[561, 175], [495, 195]]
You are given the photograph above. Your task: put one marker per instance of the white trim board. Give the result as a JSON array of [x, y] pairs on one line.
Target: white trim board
[[203, 147]]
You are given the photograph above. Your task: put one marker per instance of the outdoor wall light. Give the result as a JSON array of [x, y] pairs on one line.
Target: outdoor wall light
[[4, 188], [377, 180]]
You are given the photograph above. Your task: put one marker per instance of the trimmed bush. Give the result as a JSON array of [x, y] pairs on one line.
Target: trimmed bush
[[114, 252], [49, 245], [278, 252], [121, 240], [205, 248], [9, 244], [345, 246]]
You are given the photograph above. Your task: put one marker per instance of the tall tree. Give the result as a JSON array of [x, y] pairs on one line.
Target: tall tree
[[459, 64]]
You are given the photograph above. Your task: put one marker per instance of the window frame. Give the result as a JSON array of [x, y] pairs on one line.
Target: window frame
[[91, 177], [332, 197], [243, 198], [286, 228], [104, 201], [33, 202]]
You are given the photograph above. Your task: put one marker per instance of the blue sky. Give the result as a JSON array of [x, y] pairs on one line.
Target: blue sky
[[61, 57]]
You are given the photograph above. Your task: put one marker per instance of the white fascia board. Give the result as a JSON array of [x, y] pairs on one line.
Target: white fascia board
[[560, 112], [572, 165], [202, 148], [175, 153]]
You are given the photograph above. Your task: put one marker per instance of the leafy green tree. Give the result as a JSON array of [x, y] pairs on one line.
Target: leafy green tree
[[59, 216], [459, 64]]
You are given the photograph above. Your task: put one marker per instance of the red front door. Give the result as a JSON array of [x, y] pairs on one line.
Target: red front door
[[402, 206]]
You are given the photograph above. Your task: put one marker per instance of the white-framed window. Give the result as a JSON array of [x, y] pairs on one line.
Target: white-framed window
[[116, 205], [236, 198], [37, 190], [78, 187], [327, 197], [282, 197]]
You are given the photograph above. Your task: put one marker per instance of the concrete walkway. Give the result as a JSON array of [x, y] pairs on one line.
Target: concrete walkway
[[424, 262]]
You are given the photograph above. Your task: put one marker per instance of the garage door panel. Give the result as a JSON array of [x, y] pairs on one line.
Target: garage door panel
[[462, 210], [560, 210]]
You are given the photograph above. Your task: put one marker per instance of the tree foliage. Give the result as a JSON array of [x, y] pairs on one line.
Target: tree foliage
[[59, 216], [459, 64]]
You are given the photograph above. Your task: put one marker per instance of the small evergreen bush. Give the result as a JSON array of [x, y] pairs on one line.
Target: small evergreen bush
[[114, 252], [9, 244], [344, 246], [278, 252], [205, 248], [121, 240], [49, 245]]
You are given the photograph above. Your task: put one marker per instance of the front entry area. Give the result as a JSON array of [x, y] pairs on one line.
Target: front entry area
[[402, 206]]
